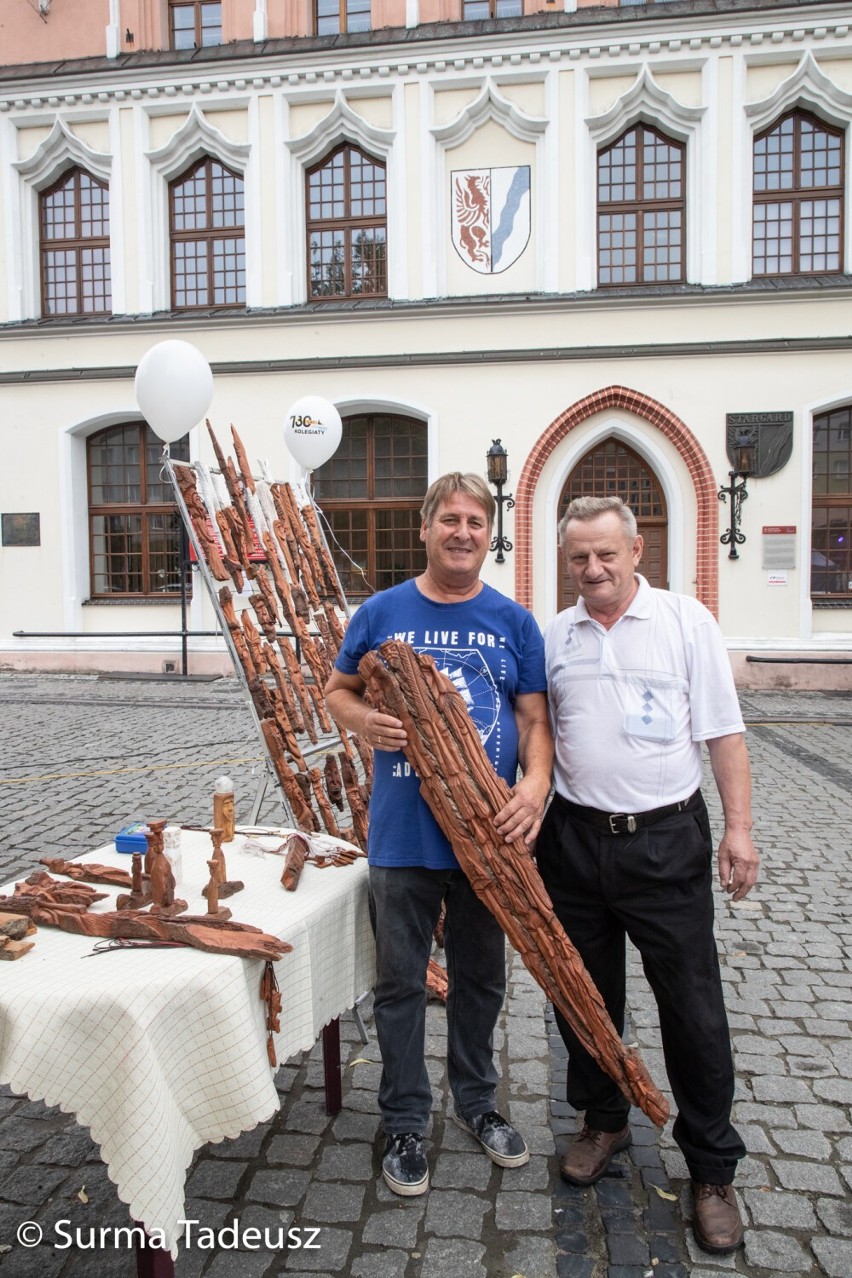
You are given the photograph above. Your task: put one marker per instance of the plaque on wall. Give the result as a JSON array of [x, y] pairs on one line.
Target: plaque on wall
[[772, 435], [20, 530]]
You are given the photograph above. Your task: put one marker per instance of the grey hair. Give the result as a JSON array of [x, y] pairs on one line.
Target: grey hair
[[585, 509], [455, 482]]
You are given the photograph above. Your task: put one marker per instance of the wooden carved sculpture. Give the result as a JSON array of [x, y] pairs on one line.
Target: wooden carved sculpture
[[217, 936], [140, 887], [464, 792], [297, 848], [285, 632], [89, 871], [224, 886], [271, 996]]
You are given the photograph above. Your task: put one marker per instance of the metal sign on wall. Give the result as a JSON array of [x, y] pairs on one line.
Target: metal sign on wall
[[771, 433]]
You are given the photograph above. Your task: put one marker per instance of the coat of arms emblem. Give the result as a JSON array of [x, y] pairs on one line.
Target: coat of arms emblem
[[490, 216]]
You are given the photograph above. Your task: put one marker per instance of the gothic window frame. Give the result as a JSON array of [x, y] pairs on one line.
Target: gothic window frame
[[346, 224], [149, 508], [645, 208], [75, 247], [797, 196], [214, 238]]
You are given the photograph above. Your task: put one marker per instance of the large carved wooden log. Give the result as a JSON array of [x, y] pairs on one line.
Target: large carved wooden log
[[464, 792], [299, 687], [242, 460], [305, 817], [321, 550], [357, 804]]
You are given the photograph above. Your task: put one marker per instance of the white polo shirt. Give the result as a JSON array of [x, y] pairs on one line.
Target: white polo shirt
[[630, 706]]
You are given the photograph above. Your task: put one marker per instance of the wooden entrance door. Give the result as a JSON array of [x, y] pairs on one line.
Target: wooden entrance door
[[611, 469]]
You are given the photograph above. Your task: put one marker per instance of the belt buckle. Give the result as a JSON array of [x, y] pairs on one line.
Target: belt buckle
[[615, 817]]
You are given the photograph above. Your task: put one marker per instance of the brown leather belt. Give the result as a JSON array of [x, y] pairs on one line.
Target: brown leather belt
[[625, 822]]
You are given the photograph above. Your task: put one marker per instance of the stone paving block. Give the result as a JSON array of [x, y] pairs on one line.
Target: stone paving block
[[453, 1258], [283, 1188], [397, 1226], [836, 1216], [379, 1264], [822, 1118], [346, 1162], [332, 1202], [517, 1211], [453, 1214], [215, 1178], [804, 1144], [781, 1090], [333, 1252], [461, 1171], [295, 1149], [531, 1255], [812, 1177], [775, 1251], [834, 1256], [779, 1209]]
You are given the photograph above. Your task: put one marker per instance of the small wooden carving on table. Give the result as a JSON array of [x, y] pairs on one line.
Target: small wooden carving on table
[[13, 929], [464, 792], [164, 904], [297, 848], [224, 886], [140, 887], [211, 891]]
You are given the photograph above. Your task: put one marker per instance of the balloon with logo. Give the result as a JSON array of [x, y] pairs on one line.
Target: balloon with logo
[[312, 431], [174, 388]]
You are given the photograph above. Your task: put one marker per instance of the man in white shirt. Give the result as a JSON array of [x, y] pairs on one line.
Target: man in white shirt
[[637, 679]]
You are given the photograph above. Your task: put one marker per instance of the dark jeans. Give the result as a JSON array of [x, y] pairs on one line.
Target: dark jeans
[[405, 903], [654, 886]]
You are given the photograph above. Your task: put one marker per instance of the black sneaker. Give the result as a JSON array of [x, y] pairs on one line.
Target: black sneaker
[[503, 1144], [404, 1165]]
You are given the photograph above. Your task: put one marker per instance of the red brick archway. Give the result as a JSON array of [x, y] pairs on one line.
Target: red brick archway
[[631, 401]]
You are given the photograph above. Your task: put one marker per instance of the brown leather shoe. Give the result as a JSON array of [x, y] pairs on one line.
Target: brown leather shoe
[[717, 1224], [591, 1154]]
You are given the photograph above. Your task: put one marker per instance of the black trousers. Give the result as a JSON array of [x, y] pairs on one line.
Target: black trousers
[[654, 886]]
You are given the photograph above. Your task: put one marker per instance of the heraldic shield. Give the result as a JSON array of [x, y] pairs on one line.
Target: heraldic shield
[[490, 216]]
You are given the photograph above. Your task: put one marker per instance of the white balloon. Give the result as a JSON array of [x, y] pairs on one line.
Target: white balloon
[[312, 431], [174, 388]]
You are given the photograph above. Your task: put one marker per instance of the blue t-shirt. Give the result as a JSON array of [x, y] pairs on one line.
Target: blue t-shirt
[[492, 650]]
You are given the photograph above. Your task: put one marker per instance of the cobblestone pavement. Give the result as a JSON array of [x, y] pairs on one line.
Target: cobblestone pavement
[[80, 757]]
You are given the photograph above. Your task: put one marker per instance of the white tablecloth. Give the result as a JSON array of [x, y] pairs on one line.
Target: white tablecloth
[[161, 1051]]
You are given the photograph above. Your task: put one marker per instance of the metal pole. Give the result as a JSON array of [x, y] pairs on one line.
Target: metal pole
[[183, 557]]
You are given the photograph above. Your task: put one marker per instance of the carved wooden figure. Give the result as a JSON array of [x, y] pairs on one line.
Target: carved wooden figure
[[464, 792]]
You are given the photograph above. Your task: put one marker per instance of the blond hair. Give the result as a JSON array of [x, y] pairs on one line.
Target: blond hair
[[455, 482]]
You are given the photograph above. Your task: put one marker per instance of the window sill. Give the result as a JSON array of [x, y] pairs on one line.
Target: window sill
[[124, 601]]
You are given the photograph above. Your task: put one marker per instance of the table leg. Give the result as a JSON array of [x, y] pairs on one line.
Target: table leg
[[153, 1262], [331, 1067]]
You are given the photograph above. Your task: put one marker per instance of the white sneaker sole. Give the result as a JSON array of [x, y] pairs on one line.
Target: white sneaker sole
[[501, 1160], [405, 1189]]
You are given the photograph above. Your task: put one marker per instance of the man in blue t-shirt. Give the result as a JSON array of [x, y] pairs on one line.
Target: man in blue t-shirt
[[492, 650]]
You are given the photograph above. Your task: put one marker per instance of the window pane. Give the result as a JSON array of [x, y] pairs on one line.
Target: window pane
[[773, 239], [190, 284], [820, 235], [328, 17], [617, 241], [357, 15], [369, 262], [211, 24], [117, 554], [831, 524], [349, 543], [164, 552], [400, 553], [60, 283]]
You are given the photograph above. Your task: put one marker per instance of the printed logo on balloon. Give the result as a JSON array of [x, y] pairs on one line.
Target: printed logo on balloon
[[312, 431]]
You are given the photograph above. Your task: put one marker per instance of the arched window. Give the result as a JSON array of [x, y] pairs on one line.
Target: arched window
[[134, 524], [371, 492], [799, 175], [207, 221], [347, 226], [74, 227], [642, 210], [831, 515], [611, 469]]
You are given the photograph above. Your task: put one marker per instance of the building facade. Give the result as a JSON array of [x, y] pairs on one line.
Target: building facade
[[614, 238]]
